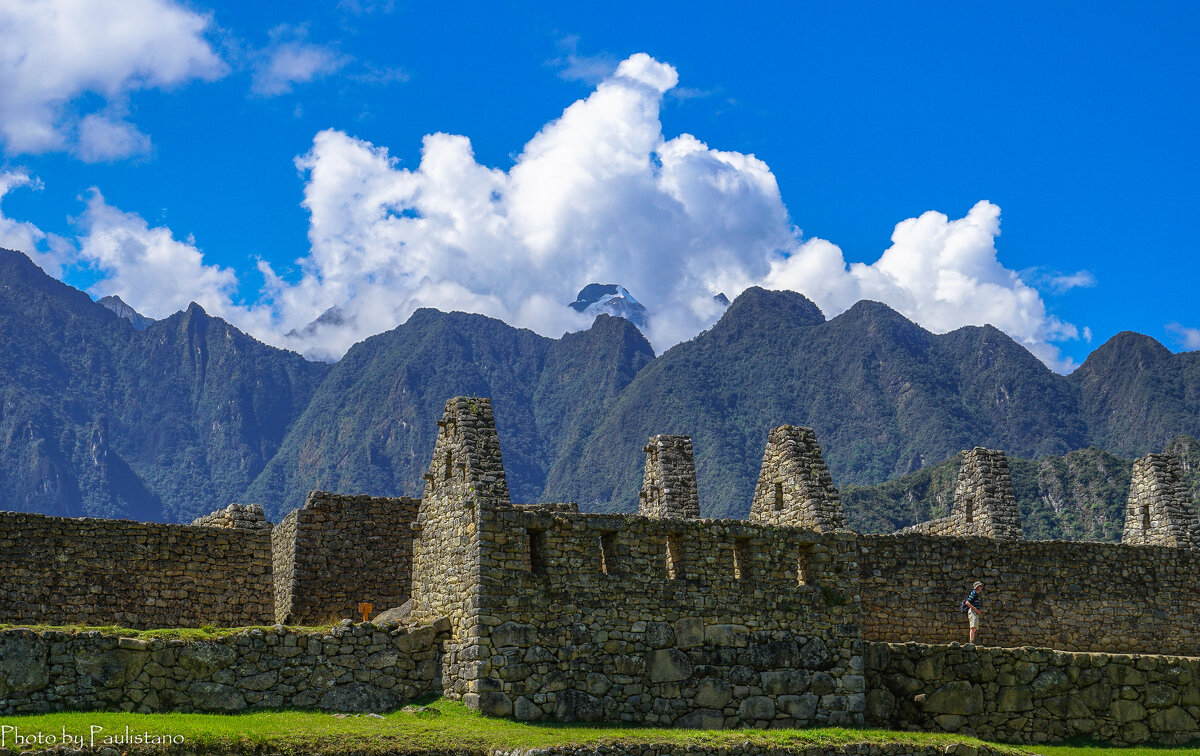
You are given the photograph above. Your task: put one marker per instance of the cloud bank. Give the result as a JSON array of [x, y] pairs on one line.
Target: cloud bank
[[597, 195], [55, 51]]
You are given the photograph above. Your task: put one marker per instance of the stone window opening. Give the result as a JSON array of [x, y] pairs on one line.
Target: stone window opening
[[778, 497], [969, 508], [1145, 516], [741, 559], [804, 567], [608, 553], [535, 551], [449, 467], [674, 558]]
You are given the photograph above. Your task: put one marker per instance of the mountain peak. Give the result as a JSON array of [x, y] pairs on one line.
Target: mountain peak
[[758, 305], [613, 299], [116, 304]]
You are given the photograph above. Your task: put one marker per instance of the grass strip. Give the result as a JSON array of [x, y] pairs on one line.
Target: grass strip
[[206, 632], [449, 726]]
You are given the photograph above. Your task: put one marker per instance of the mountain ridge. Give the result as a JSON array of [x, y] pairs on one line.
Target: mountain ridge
[[190, 413]]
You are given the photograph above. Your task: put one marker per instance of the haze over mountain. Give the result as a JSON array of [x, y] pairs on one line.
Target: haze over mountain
[[180, 418]]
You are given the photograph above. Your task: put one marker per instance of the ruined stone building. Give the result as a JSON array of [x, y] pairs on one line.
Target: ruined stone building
[[539, 611]]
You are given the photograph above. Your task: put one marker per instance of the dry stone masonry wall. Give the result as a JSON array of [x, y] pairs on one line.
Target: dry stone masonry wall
[[60, 571], [1031, 695], [794, 487], [984, 502], [337, 551], [1160, 510], [359, 668], [464, 483], [669, 481], [1074, 596], [713, 623], [241, 516]]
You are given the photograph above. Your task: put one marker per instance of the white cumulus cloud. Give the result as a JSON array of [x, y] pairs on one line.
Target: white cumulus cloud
[[154, 272], [599, 194], [56, 51], [50, 251]]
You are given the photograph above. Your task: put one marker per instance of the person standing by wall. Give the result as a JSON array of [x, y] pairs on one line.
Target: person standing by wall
[[974, 606]]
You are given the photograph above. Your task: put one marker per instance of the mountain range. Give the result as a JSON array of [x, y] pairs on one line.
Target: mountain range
[[177, 417]]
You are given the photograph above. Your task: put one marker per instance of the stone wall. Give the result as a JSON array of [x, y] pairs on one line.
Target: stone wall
[[337, 551], [359, 668], [794, 487], [59, 571], [1032, 695], [242, 516], [709, 623], [984, 502], [465, 482], [1075, 596], [1160, 510], [669, 479]]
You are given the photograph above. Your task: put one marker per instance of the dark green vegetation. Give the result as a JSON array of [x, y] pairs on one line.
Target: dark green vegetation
[[442, 726], [100, 419], [1079, 496], [181, 418]]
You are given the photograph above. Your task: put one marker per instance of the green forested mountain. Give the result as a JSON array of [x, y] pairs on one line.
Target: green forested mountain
[[370, 427], [884, 395], [180, 418], [1078, 496], [103, 420]]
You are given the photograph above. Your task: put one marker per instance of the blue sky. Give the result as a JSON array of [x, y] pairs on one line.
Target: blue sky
[[266, 160]]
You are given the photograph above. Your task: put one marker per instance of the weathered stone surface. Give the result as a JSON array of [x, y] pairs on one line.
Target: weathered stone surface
[[23, 664], [359, 697], [702, 719], [204, 658], [958, 697], [514, 634], [757, 708], [66, 571], [211, 696], [668, 665]]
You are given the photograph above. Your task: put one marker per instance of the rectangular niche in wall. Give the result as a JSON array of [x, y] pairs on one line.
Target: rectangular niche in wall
[[608, 553], [535, 551], [804, 574], [741, 559], [674, 558]]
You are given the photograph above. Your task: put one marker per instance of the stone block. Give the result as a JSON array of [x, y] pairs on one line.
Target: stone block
[[668, 665]]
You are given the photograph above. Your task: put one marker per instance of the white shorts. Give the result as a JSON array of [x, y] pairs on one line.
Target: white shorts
[[972, 618]]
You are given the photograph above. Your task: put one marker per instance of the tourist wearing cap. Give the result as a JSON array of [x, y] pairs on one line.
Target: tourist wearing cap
[[974, 604]]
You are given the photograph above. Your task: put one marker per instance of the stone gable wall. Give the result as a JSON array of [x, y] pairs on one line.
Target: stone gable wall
[[669, 479], [465, 482], [984, 502], [359, 668], [1033, 695], [794, 487], [1075, 596], [337, 551], [1160, 510], [592, 627], [61, 571]]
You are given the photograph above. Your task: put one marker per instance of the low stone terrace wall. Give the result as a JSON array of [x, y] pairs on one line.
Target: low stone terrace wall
[[1033, 695], [357, 668]]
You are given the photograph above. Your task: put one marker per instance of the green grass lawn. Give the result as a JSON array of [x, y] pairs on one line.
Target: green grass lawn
[[453, 726], [207, 632]]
